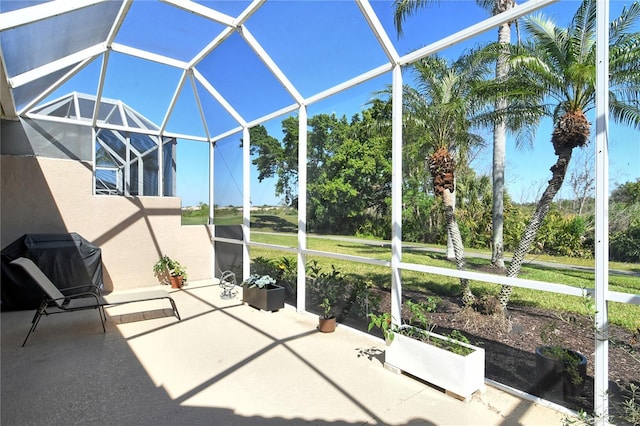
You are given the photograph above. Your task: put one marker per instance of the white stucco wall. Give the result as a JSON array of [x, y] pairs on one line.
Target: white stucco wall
[[45, 195]]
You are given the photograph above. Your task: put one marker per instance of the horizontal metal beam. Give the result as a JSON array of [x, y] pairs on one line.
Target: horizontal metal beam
[[474, 30], [154, 57], [274, 114], [59, 64], [369, 75], [200, 10], [28, 15]]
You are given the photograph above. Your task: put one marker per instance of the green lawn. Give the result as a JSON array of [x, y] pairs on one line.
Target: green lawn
[[625, 315], [264, 225]]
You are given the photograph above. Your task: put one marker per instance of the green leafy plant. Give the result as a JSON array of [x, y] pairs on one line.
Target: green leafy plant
[[420, 316], [383, 322], [326, 306], [453, 345], [167, 265], [554, 348], [288, 270], [420, 312], [325, 285]]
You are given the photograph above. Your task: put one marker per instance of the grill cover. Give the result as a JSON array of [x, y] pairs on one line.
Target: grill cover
[[67, 259]]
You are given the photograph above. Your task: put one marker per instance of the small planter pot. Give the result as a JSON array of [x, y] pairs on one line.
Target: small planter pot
[[461, 375], [268, 298], [557, 375], [176, 281], [327, 325]]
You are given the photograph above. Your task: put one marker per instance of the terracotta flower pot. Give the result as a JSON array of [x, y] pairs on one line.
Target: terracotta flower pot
[[327, 325], [176, 282]]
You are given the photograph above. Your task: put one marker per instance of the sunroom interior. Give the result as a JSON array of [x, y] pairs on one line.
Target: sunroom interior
[[101, 98]]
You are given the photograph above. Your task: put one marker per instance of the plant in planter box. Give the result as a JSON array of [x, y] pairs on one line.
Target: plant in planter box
[[170, 271], [558, 367], [449, 362], [262, 292], [326, 321]]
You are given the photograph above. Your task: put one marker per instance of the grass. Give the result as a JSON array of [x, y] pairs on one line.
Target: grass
[[625, 315]]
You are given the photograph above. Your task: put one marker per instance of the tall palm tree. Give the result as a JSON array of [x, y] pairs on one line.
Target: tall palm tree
[[405, 8], [442, 106], [557, 71]]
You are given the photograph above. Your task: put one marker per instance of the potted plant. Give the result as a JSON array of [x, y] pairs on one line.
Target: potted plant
[[559, 368], [170, 271], [326, 321], [449, 362], [262, 292]]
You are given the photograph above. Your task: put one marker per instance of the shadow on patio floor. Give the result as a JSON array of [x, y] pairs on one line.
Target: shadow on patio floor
[[224, 363]]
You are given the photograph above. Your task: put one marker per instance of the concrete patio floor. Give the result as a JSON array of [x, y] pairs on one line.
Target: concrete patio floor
[[225, 363]]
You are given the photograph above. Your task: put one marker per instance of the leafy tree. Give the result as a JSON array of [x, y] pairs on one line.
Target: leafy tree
[[348, 169], [275, 159], [557, 71], [351, 185], [628, 193]]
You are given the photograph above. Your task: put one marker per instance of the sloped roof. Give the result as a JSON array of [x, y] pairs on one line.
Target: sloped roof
[[223, 65]]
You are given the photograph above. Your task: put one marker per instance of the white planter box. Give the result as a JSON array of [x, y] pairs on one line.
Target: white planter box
[[457, 374]]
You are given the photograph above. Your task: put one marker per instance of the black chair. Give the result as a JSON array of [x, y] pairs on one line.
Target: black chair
[[55, 301]]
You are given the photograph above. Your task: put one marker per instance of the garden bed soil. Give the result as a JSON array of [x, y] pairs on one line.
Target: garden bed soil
[[510, 341]]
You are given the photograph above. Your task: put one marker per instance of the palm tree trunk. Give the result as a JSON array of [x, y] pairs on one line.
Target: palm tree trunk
[[453, 233], [499, 142], [451, 251], [559, 171], [499, 155]]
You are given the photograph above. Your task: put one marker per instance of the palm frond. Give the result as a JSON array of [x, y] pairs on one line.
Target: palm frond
[[406, 8], [625, 113], [625, 22], [582, 30]]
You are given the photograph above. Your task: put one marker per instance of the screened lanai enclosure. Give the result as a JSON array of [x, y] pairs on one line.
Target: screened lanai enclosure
[[106, 104], [126, 163]]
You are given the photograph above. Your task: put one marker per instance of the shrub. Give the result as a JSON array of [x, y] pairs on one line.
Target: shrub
[[624, 246]]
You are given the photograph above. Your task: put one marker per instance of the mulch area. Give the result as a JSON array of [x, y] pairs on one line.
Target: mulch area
[[510, 341]]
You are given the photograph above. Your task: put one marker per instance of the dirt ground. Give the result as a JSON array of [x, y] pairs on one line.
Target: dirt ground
[[510, 342]]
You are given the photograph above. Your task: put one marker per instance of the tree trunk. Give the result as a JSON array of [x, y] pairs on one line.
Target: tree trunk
[[499, 155], [453, 233], [451, 252], [559, 170]]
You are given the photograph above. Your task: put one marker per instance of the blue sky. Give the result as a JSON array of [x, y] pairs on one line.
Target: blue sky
[[317, 44]]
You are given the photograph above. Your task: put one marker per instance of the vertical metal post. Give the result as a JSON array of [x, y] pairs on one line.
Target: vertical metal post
[[396, 195], [127, 165], [601, 366], [212, 168], [94, 139], [140, 175], [212, 228], [246, 201], [160, 142], [302, 207]]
